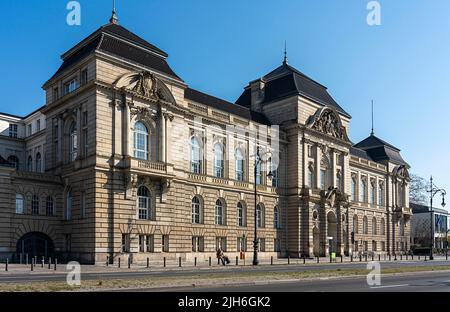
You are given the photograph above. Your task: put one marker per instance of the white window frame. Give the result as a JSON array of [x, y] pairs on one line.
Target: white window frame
[[20, 204]]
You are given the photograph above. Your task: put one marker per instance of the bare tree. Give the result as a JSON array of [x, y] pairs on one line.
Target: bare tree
[[418, 193]]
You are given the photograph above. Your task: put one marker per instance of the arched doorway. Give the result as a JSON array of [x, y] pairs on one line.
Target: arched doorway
[[316, 242], [331, 231], [35, 244]]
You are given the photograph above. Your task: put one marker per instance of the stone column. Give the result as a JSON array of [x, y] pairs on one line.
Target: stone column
[[163, 137], [59, 135], [317, 167], [333, 168]]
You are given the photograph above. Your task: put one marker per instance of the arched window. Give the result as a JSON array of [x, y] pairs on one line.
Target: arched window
[[400, 194], [73, 142], [239, 165], [38, 162], [362, 191], [50, 206], [373, 192], [276, 218], [380, 195], [196, 210], [218, 161], [353, 188], [219, 213], [196, 162], [355, 224], [35, 205], [240, 213], [259, 216], [382, 227], [365, 225], [13, 160], [144, 203], [69, 205], [374, 226], [30, 164], [311, 177], [19, 204], [141, 150]]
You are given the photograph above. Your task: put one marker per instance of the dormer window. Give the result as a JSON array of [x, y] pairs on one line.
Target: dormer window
[[70, 86]]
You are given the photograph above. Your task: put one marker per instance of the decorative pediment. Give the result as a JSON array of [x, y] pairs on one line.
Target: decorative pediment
[[146, 85], [401, 172], [327, 121]]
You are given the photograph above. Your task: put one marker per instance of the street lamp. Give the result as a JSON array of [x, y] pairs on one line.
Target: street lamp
[[433, 190], [258, 161]]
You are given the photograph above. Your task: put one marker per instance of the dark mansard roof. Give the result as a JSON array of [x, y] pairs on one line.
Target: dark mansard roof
[[375, 149], [117, 41], [287, 81]]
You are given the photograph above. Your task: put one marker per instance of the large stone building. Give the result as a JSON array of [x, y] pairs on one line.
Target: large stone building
[[125, 159]]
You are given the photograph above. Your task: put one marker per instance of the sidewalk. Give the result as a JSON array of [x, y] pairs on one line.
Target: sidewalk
[[190, 266]]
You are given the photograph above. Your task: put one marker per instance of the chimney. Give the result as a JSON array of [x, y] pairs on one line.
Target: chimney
[[257, 94]]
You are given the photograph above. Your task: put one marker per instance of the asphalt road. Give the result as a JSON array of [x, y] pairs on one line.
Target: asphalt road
[[12, 277], [417, 282]]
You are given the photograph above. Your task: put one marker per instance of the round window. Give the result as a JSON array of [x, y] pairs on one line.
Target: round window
[[315, 215]]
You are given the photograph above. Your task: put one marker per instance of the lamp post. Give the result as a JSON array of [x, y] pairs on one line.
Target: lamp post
[[433, 190], [258, 161]]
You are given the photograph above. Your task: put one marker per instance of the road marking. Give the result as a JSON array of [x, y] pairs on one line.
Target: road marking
[[389, 286]]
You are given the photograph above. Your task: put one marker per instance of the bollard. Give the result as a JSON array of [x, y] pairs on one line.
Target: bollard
[[365, 257], [6, 266], [164, 264], [360, 258], [26, 259], [289, 259], [446, 256], [395, 257], [209, 261], [412, 256], [179, 262], [419, 257], [318, 259], [342, 259], [372, 256], [389, 257], [384, 257], [42, 262], [379, 258], [129, 262], [406, 256], [49, 263], [107, 260], [119, 263], [401, 257], [148, 262], [271, 260], [31, 264], [351, 258], [304, 260], [237, 260], [54, 266]]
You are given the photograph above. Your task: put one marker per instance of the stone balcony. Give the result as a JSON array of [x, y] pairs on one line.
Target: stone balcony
[[151, 168]]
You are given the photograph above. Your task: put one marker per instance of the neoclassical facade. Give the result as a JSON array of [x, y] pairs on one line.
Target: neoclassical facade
[[126, 160]]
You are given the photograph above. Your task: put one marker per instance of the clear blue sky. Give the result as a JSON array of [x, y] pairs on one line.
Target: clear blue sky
[[219, 46]]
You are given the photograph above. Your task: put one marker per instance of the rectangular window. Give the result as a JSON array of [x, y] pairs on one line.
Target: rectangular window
[[383, 246], [70, 86], [241, 244], [197, 244], [221, 242], [165, 243], [13, 131], [261, 244], [323, 175], [35, 205], [55, 94], [38, 125], [29, 130], [83, 205], [84, 77], [85, 142], [149, 243], [142, 243], [310, 151], [85, 118], [19, 204], [125, 247], [146, 243], [68, 242], [277, 245]]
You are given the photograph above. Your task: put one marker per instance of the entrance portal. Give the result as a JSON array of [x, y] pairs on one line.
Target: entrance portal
[[35, 244]]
